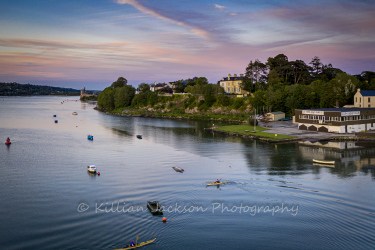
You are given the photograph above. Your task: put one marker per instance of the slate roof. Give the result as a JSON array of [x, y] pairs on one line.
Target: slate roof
[[367, 92], [233, 78]]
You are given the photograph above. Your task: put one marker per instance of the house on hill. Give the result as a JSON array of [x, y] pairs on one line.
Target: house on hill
[[232, 84], [364, 99]]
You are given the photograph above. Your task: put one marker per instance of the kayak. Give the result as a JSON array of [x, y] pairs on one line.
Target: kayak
[[138, 245], [216, 183], [8, 143]]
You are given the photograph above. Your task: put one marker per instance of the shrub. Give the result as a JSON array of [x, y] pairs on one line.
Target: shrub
[[250, 122], [238, 102]]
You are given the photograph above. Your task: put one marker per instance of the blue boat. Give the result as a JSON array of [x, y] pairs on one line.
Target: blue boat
[[90, 137], [139, 136]]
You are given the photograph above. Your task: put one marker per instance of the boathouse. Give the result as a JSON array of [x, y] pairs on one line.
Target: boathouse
[[336, 120]]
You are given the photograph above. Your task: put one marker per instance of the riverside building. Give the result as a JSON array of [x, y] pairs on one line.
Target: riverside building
[[336, 120]]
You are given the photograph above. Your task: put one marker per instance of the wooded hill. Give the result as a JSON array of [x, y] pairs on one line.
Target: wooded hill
[[17, 89], [276, 85]]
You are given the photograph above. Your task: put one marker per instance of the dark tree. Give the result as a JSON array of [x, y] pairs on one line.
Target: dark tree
[[121, 81]]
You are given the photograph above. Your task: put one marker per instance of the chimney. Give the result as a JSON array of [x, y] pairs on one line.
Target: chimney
[[337, 104], [229, 76], [235, 75], [241, 75]]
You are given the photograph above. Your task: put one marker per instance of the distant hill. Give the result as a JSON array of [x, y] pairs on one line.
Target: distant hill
[[17, 89]]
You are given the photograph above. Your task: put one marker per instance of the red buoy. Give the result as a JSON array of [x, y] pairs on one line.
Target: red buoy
[[164, 219], [98, 173]]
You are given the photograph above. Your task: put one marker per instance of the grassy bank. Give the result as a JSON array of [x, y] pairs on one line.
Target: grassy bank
[[249, 130]]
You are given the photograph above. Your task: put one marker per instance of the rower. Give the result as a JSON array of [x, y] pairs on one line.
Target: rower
[[217, 181], [132, 243]]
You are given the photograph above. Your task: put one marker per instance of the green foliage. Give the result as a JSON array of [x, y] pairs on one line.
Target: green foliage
[[250, 122], [152, 98], [124, 96], [121, 81], [190, 102], [106, 98], [202, 106], [238, 102], [224, 100], [179, 87], [144, 87], [209, 94]]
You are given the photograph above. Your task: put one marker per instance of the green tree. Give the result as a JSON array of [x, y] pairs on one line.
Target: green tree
[[281, 65], [247, 84], [144, 87], [258, 100], [124, 96], [201, 81], [179, 86], [106, 99], [316, 66], [300, 72], [121, 81], [273, 78]]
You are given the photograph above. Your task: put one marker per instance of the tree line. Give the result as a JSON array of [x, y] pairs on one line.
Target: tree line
[[17, 89], [283, 85]]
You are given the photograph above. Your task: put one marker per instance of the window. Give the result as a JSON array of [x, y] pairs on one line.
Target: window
[[360, 99], [369, 99], [369, 105], [356, 99]]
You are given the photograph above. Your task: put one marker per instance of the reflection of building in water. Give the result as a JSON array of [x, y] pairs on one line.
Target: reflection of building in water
[[344, 153], [331, 144]]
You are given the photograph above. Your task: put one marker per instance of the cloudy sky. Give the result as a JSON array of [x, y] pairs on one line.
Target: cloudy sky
[[77, 43]]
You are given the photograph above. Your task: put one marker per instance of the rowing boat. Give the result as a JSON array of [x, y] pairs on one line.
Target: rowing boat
[[154, 207], [138, 245], [324, 162], [177, 169], [216, 183]]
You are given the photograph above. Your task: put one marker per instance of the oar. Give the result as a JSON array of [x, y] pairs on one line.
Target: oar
[[136, 240]]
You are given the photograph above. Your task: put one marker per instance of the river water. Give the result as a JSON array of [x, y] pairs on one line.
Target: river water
[[275, 196]]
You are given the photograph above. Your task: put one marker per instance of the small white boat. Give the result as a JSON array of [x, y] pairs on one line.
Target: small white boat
[[324, 162], [91, 169]]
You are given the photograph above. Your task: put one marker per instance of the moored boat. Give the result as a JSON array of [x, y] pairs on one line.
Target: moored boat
[[216, 183], [74, 113], [139, 136], [137, 245], [91, 169], [324, 162], [90, 137], [154, 207], [177, 169]]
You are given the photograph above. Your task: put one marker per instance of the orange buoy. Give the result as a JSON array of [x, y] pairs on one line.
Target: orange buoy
[[164, 219], [98, 173]]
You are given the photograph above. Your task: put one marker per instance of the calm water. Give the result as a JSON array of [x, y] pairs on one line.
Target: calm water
[[275, 198]]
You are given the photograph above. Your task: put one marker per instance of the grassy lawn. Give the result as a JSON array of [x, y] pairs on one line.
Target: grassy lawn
[[246, 129]]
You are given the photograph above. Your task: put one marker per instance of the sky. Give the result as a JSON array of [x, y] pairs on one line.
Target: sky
[[90, 43]]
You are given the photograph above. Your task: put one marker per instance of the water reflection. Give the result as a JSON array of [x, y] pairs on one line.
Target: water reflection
[[349, 157]]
